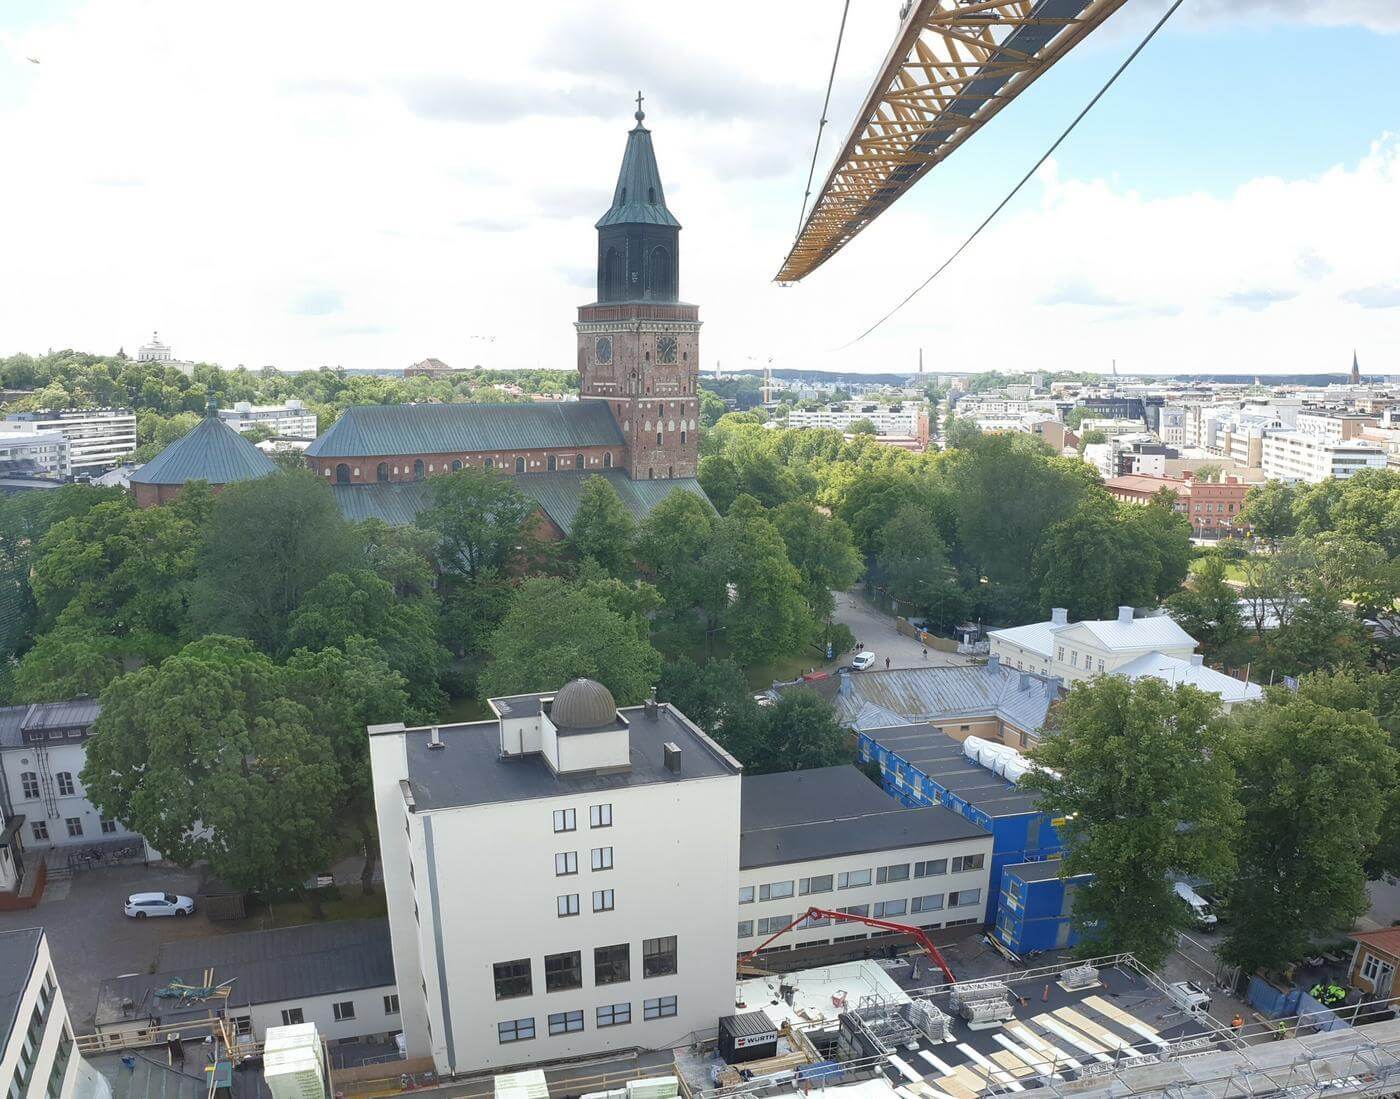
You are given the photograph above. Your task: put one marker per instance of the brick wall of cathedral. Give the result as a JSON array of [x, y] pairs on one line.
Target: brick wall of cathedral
[[414, 467]]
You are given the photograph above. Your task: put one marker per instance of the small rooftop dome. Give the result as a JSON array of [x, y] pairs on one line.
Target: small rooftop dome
[[583, 704]]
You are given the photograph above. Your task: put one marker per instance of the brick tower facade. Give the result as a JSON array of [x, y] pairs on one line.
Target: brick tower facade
[[639, 344]]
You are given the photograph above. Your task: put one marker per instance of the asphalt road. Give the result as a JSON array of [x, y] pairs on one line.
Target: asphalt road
[[876, 631]]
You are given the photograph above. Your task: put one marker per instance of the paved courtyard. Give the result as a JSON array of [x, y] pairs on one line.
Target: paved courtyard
[[876, 632]]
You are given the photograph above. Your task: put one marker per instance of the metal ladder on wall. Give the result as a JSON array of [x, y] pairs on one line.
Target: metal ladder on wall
[[46, 783]]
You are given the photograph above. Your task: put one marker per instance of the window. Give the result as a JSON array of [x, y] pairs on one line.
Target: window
[[65, 783], [932, 903], [884, 910], [819, 884], [391, 1004], [565, 862], [658, 438], [607, 460], [342, 474], [967, 862], [852, 879], [964, 897], [930, 868], [381, 471], [520, 465], [60, 1064], [602, 858], [658, 956], [602, 900], [515, 1030], [563, 971], [1074, 658], [775, 891], [682, 438], [663, 1007], [242, 1024], [771, 925], [565, 820], [40, 828], [29, 782], [567, 904], [746, 929], [578, 461], [512, 978], [613, 1015], [746, 894], [553, 463], [1100, 665], [75, 825], [612, 964], [108, 826], [856, 910], [344, 1009], [488, 463], [417, 469], [291, 1016], [892, 873], [600, 816], [456, 465], [565, 1022], [1060, 653]]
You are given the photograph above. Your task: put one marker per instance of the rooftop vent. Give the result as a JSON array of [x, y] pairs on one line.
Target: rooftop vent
[[650, 706], [672, 755], [1197, 659], [994, 662], [435, 739], [1125, 616], [1025, 681], [1059, 616]]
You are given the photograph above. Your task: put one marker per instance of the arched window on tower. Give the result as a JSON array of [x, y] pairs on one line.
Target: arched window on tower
[[578, 461], [614, 280], [520, 465], [418, 469], [456, 464], [381, 471], [661, 277], [342, 474], [607, 460]]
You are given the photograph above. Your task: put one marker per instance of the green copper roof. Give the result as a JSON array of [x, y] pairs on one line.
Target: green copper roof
[[638, 198], [372, 431], [558, 494], [211, 452]]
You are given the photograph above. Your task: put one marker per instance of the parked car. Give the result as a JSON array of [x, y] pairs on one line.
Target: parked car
[[141, 905], [862, 660], [1190, 997]]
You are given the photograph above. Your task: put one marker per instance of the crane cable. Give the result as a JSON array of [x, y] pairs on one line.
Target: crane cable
[[1024, 179], [821, 126]]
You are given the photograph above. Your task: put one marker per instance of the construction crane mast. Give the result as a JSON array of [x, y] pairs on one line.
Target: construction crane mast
[[953, 65], [915, 933]]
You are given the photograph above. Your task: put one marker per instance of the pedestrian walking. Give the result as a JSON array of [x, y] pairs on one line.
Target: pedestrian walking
[[887, 663], [1237, 1023], [925, 652]]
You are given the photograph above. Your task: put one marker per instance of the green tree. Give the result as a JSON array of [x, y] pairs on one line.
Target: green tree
[[1089, 438], [799, 733], [1140, 774], [268, 543], [1209, 611], [720, 480], [1314, 776], [485, 523], [1268, 509], [555, 632], [1168, 535], [960, 434], [914, 565], [75, 657], [676, 544], [709, 694], [1097, 559], [821, 548], [767, 616], [603, 530], [863, 426], [207, 759]]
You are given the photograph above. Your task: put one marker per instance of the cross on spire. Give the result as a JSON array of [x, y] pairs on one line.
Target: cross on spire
[[641, 114]]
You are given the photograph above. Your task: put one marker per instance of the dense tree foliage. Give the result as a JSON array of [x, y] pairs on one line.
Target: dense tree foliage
[[603, 528]]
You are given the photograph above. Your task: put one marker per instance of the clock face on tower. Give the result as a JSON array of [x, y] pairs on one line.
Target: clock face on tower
[[602, 350], [666, 349]]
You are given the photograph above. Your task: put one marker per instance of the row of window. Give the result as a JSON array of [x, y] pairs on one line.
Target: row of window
[[1074, 659], [567, 904], [880, 910], [570, 1022], [343, 1010], [566, 862], [599, 816], [29, 784], [854, 879], [39, 829], [34, 1039], [562, 972], [384, 472]]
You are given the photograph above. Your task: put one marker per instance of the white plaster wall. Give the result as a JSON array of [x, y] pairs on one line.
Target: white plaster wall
[[594, 751], [67, 756], [52, 1033], [369, 1014]]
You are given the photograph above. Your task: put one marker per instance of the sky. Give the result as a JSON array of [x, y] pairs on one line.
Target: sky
[[367, 184]]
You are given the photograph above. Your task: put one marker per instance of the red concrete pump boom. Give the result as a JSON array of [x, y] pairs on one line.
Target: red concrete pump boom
[[915, 933]]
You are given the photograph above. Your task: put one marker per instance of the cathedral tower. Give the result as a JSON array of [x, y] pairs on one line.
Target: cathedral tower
[[639, 344]]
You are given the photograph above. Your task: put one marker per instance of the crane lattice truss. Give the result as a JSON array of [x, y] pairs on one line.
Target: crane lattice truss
[[954, 64]]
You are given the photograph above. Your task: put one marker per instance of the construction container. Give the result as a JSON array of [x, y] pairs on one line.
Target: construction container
[[294, 1073], [748, 1037], [654, 1087], [522, 1085]]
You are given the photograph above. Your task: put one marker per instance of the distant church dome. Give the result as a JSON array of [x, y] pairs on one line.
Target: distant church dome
[[583, 704]]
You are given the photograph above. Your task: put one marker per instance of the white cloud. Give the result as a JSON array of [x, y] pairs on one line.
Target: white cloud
[[347, 183]]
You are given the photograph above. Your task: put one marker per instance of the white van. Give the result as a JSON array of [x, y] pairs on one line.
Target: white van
[[1200, 911]]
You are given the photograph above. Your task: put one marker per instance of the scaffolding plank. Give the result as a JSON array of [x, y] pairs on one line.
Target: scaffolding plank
[[1124, 1019]]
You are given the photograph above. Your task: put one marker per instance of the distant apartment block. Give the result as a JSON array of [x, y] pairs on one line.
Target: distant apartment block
[[896, 419], [1311, 459], [292, 418], [98, 438], [34, 453]]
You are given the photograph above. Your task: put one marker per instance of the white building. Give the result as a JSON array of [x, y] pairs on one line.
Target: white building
[[832, 839], [1298, 456], [292, 418], [1331, 426], [1238, 435], [43, 747], [560, 880], [155, 351], [895, 419], [98, 438], [1154, 646], [43, 453], [37, 1053]]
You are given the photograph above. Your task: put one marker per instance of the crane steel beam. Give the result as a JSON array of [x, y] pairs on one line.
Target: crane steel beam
[[954, 64]]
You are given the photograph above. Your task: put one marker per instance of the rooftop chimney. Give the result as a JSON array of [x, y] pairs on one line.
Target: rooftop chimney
[[650, 705], [1197, 659], [435, 740], [1025, 681], [1125, 615], [672, 756], [994, 662], [1059, 616]]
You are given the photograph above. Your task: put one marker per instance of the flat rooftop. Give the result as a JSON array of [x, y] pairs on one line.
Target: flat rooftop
[[469, 770], [1045, 870], [941, 757], [829, 811], [18, 951]]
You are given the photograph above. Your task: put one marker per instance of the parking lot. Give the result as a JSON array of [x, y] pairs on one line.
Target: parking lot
[[92, 939]]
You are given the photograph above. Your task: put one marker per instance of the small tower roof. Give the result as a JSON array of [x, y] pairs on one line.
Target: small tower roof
[[638, 198], [211, 452]]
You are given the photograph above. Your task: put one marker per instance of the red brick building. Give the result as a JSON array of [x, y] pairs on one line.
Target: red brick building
[[1212, 507], [212, 451]]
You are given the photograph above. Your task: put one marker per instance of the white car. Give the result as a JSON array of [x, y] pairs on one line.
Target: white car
[[141, 905], [863, 660]]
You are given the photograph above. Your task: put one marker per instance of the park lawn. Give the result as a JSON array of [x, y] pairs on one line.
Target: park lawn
[[1233, 570]]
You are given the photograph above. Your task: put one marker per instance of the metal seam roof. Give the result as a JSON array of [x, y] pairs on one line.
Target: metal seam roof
[[638, 177], [212, 451]]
